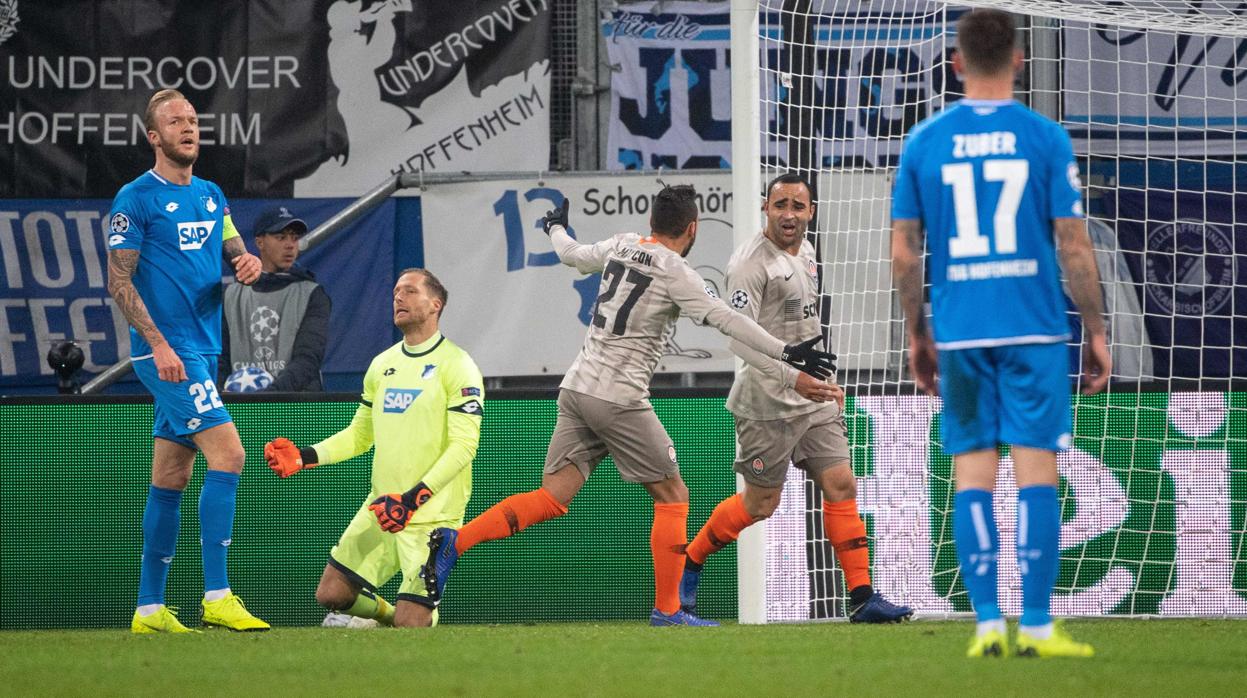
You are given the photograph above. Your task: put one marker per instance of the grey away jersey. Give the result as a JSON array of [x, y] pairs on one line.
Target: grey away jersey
[[645, 286], [780, 292]]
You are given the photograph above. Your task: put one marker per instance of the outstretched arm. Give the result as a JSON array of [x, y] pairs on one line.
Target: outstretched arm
[[1078, 262], [688, 291]]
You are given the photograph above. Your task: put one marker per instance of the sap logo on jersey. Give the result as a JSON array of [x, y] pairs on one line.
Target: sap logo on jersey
[[398, 400], [193, 235]]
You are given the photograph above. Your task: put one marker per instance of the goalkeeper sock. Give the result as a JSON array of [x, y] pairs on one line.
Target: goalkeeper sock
[[216, 523], [974, 532], [723, 527], [668, 538], [509, 517], [1039, 551], [369, 605], [847, 533], [160, 537]]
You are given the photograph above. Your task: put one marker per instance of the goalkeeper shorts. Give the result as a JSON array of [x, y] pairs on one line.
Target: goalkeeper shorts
[[1018, 395], [370, 556]]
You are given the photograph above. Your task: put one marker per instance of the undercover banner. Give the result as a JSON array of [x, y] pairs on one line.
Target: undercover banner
[[323, 98]]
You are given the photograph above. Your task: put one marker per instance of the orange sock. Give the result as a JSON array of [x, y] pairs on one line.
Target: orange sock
[[509, 517], [723, 527], [847, 533], [667, 540]]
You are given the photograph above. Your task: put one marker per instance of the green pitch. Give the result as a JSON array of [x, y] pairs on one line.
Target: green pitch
[[1135, 658]]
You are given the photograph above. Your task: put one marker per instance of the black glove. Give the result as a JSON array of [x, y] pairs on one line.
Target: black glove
[[393, 511], [556, 216], [804, 357]]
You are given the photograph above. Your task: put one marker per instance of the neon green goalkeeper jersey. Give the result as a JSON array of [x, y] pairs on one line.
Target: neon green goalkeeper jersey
[[421, 407]]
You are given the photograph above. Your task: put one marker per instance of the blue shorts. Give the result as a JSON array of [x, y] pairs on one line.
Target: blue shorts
[[188, 407], [1018, 395]]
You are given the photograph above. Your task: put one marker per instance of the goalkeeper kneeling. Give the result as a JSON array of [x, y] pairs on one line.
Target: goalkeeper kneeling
[[421, 408]]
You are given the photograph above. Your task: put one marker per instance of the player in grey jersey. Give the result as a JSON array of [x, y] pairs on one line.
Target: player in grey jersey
[[603, 406], [783, 415]]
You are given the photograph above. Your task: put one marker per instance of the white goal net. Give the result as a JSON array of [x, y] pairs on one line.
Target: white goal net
[[1154, 492]]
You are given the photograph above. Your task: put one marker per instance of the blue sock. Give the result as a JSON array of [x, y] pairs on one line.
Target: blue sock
[[216, 524], [160, 539], [974, 532], [1039, 550]]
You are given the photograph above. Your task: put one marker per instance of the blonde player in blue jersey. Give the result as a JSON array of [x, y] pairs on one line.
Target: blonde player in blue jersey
[[996, 189], [421, 407], [167, 233]]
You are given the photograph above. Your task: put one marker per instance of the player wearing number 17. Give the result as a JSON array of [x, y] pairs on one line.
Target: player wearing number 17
[[603, 404], [167, 233], [996, 188]]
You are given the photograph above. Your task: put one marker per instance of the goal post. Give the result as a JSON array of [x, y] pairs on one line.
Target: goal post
[[1154, 96]]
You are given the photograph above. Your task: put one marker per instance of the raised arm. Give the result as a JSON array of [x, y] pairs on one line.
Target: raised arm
[[1077, 259], [587, 259]]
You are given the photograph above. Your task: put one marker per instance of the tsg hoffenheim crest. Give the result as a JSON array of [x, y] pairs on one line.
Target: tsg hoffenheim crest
[[8, 19]]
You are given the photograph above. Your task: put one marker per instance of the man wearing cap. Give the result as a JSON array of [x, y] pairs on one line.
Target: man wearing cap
[[281, 322]]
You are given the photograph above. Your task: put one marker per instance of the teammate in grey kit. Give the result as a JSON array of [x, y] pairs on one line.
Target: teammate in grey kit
[[783, 415], [603, 406]]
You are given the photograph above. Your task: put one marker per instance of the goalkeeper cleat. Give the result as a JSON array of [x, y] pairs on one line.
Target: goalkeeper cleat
[[1059, 644], [442, 558], [877, 609], [680, 617], [163, 621], [688, 590], [989, 644], [230, 613]]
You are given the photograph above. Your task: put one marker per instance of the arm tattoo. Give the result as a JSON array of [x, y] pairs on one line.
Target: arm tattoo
[[232, 248], [121, 266], [907, 271], [1078, 263]]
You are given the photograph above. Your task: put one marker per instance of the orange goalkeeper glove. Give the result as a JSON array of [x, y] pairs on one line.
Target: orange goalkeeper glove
[[393, 511], [286, 459]]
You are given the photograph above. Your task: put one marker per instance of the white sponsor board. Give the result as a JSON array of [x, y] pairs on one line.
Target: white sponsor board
[[519, 311]]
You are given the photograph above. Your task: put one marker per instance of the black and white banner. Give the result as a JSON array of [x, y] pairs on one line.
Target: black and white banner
[[1153, 93], [865, 80], [323, 98], [490, 232], [671, 98]]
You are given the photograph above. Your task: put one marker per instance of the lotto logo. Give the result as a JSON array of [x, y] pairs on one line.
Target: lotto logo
[[397, 400], [193, 235]]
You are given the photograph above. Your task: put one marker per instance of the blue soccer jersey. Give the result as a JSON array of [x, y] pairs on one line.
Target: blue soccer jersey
[[987, 178], [178, 230]]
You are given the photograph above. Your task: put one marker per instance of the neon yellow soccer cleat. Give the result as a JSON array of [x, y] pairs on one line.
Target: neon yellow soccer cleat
[[1059, 645], [162, 621], [230, 613], [992, 644]]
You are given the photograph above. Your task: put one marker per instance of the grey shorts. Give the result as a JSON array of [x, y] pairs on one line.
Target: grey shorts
[[588, 428], [814, 441]]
